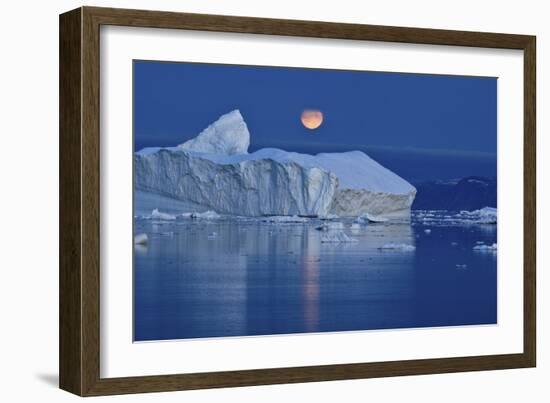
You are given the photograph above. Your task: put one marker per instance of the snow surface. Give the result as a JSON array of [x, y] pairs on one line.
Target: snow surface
[[354, 169], [227, 135], [215, 171]]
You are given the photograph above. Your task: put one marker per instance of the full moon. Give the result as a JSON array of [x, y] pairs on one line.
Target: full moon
[[312, 118]]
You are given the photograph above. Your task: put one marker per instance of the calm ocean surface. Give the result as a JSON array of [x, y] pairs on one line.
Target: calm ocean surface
[[219, 278]]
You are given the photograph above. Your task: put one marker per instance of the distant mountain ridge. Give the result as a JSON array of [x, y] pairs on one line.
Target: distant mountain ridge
[[470, 193]]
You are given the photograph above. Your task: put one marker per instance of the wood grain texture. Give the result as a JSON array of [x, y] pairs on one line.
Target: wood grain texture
[[90, 202], [70, 270], [530, 203], [80, 201]]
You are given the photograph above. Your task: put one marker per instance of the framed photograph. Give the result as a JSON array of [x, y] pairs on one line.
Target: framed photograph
[[249, 201]]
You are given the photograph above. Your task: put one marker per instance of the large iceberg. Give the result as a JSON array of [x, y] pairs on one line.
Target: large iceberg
[[227, 135], [214, 171]]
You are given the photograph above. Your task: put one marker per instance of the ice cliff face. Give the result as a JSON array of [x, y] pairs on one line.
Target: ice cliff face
[[215, 172], [227, 135], [248, 188]]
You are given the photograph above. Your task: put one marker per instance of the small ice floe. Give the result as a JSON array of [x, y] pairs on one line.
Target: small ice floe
[[367, 217], [355, 226], [398, 247], [207, 215], [285, 219], [461, 266], [486, 215], [158, 215], [454, 243], [486, 248], [480, 243], [428, 231], [337, 237], [141, 239], [212, 235]]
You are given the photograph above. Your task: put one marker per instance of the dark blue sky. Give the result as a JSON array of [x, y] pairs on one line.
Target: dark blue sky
[[422, 126]]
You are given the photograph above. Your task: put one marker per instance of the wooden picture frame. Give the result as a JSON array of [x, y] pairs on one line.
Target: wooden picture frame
[[80, 186]]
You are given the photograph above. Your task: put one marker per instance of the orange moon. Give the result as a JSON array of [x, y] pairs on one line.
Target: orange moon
[[312, 118]]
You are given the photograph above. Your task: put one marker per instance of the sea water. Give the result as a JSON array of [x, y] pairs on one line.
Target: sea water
[[198, 278]]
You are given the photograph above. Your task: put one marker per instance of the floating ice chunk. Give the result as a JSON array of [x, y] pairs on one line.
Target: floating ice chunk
[[367, 217], [337, 237], [461, 266], [486, 248], [207, 215], [158, 215], [486, 215], [428, 231], [141, 239], [398, 246], [285, 219]]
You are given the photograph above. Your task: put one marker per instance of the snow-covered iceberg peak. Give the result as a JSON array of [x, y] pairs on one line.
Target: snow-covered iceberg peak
[[228, 135]]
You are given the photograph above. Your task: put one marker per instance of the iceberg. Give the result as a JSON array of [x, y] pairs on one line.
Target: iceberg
[[227, 135], [214, 171]]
